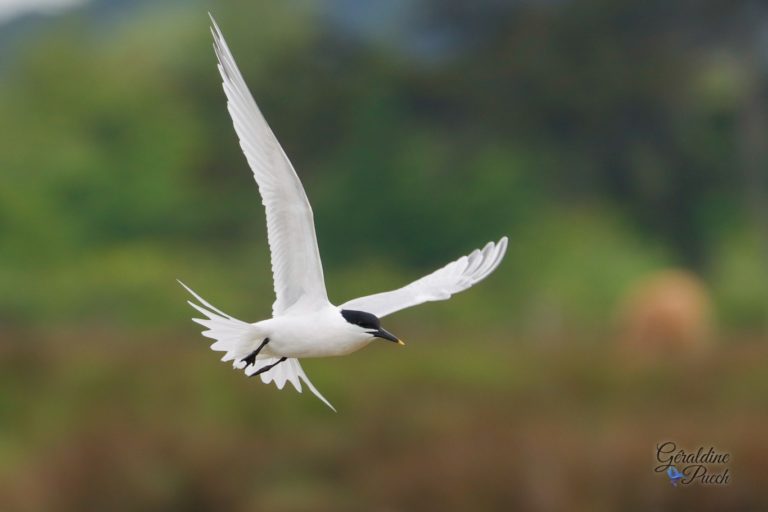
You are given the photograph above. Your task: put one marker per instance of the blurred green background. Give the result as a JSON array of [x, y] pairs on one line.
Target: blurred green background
[[621, 145]]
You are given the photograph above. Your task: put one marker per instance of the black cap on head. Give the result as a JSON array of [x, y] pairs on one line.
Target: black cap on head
[[371, 322], [361, 318]]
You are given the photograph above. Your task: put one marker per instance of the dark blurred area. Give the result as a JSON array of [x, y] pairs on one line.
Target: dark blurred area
[[621, 145]]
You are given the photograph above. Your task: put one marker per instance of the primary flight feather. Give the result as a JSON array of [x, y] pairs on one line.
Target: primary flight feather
[[304, 323]]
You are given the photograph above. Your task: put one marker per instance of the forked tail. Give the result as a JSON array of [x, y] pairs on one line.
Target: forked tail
[[238, 339]]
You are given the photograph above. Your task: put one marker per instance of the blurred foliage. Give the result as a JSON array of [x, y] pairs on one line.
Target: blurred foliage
[[121, 171], [510, 427], [610, 140]]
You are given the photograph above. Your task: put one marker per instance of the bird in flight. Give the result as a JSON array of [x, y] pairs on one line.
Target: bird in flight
[[304, 323]]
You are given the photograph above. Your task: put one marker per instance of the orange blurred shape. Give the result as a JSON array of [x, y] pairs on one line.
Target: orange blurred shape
[[666, 311]]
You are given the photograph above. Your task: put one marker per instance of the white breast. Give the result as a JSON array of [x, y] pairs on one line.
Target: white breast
[[320, 334]]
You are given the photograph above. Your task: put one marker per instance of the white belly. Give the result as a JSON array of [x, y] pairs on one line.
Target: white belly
[[320, 334]]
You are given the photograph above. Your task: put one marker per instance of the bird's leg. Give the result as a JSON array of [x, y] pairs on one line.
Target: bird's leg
[[268, 367], [250, 359]]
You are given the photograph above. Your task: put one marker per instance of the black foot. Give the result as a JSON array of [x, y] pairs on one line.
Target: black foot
[[250, 359], [268, 367]]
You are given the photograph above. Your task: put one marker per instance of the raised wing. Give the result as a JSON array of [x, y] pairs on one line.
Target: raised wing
[[453, 278], [296, 267]]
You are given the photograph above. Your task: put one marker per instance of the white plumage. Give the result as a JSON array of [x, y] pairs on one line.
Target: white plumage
[[453, 278], [304, 323]]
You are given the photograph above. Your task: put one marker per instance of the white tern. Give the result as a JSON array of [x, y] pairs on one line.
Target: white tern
[[304, 323]]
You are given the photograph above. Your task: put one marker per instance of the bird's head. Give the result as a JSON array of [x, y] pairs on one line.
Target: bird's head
[[368, 323]]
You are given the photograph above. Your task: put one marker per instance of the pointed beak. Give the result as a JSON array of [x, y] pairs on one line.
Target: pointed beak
[[385, 335]]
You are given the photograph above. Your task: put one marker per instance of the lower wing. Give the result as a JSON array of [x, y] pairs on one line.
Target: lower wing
[[453, 278]]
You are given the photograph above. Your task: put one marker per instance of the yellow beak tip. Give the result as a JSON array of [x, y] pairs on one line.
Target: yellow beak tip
[[400, 342]]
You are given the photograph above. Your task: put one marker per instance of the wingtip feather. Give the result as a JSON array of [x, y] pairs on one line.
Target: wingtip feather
[[214, 25]]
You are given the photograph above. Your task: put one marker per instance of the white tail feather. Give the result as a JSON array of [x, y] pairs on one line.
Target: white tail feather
[[238, 339]]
